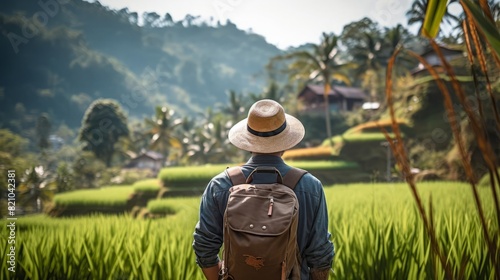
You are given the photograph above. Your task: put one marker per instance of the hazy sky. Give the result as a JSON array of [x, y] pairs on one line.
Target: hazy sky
[[283, 23]]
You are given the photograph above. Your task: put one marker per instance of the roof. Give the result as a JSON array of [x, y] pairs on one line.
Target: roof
[[346, 92], [448, 53], [350, 92], [418, 70], [150, 154], [445, 49]]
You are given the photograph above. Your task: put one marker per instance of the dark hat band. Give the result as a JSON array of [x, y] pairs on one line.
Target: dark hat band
[[267, 133]]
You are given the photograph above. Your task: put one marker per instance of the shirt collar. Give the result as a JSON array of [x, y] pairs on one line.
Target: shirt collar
[[265, 159]]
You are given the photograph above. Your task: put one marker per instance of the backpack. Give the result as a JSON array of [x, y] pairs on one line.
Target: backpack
[[260, 226]]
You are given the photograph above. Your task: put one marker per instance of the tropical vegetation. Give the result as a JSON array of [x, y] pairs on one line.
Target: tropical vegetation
[[65, 140]]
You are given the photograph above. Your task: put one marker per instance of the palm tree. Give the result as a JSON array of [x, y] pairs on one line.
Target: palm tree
[[370, 57], [162, 131], [187, 132], [271, 92], [235, 108], [209, 144], [396, 37], [321, 65], [38, 187], [371, 54], [418, 9], [454, 38], [416, 14], [495, 10]]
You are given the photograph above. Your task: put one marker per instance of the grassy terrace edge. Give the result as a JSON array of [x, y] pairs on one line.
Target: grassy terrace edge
[[179, 181], [196, 175]]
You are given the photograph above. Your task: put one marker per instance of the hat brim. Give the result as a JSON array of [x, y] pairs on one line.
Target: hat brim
[[288, 138]]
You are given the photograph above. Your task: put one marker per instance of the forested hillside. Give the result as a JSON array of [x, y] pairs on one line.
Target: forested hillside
[[59, 56]]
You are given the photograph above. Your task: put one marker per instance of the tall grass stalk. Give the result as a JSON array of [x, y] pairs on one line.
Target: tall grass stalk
[[397, 146], [477, 123]]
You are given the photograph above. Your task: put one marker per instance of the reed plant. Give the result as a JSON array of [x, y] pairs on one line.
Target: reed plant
[[482, 41]]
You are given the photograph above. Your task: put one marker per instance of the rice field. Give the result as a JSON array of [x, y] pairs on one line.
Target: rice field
[[148, 185], [195, 176], [105, 196], [375, 228]]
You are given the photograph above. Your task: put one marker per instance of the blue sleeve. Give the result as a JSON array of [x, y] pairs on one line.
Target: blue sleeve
[[319, 250], [208, 232]]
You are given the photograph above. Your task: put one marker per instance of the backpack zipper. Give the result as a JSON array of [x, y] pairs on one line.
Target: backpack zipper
[[270, 210]]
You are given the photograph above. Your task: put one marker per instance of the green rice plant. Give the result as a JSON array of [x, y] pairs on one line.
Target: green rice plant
[[106, 247], [187, 176], [323, 165], [311, 153], [336, 140], [374, 126], [164, 206], [485, 181], [376, 229], [365, 137], [147, 186], [197, 177], [358, 137], [105, 196], [378, 233]]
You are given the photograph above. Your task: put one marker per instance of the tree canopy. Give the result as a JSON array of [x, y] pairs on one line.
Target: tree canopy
[[103, 125]]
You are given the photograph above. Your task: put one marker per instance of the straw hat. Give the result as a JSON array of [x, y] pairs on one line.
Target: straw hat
[[267, 129]]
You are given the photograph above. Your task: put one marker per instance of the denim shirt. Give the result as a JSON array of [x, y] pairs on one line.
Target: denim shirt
[[313, 237]]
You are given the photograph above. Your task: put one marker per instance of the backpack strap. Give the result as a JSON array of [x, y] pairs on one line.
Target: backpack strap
[[236, 175], [293, 176]]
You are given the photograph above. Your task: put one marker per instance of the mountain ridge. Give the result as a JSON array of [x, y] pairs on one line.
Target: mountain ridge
[[79, 51]]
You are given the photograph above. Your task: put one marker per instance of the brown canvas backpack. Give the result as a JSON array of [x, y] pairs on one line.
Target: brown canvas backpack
[[260, 226]]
